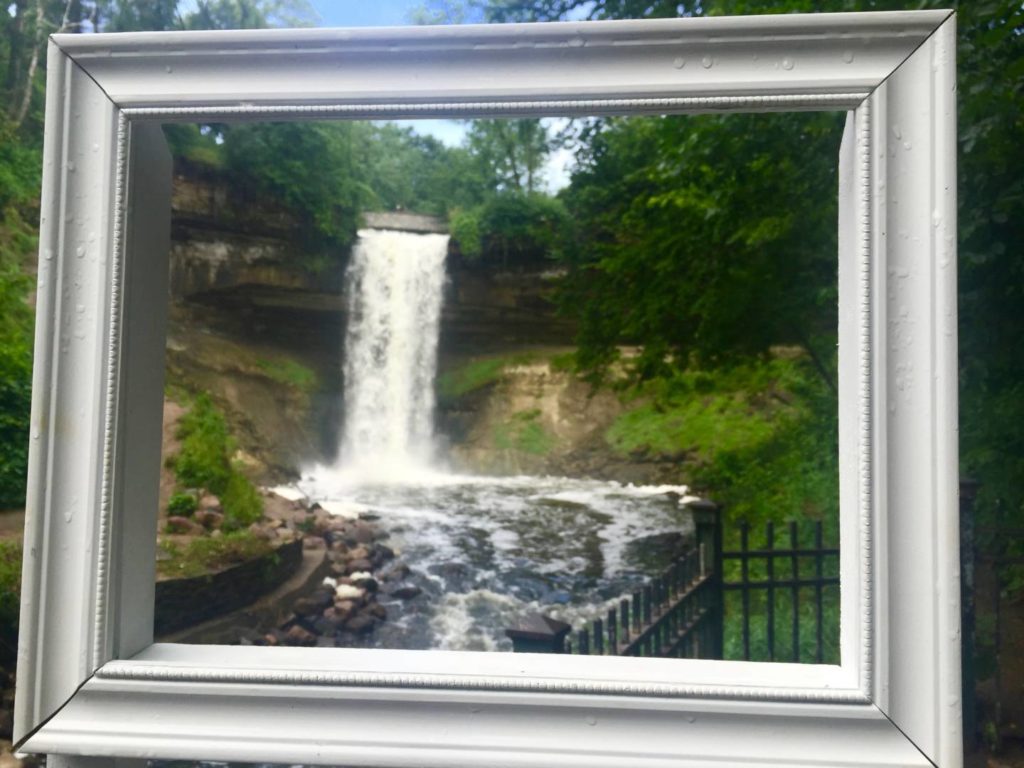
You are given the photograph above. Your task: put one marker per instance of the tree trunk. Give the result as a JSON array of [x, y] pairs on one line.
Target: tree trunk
[[15, 51], [33, 65]]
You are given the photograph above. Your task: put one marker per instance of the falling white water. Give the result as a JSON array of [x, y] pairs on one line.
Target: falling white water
[[395, 283]]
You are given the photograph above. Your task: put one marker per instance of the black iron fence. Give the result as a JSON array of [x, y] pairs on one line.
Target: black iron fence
[[794, 590], [688, 611]]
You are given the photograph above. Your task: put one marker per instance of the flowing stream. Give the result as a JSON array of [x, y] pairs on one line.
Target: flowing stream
[[483, 550]]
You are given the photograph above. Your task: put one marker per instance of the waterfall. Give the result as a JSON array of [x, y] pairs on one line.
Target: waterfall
[[395, 283]]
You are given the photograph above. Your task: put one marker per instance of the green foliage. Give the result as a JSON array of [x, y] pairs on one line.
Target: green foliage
[[512, 229], [399, 169], [210, 553], [196, 145], [510, 153], [761, 434], [476, 374], [204, 461], [307, 167], [242, 503], [684, 247], [524, 433], [19, 195], [470, 377], [10, 597], [290, 373], [204, 458], [182, 504]]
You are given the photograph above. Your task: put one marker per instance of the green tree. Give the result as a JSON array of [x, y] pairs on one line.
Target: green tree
[[687, 250], [511, 152]]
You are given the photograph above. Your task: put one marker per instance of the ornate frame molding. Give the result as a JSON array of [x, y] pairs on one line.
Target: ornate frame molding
[[106, 193]]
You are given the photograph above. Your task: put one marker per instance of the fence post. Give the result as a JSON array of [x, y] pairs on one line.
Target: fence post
[[968, 492], [707, 518], [536, 633]]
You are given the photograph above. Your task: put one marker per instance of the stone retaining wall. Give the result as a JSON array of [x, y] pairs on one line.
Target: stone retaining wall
[[181, 603]]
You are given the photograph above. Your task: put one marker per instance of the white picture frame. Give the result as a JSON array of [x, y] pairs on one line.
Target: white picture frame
[[91, 683]]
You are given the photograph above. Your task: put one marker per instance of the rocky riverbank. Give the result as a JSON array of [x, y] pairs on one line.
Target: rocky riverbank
[[365, 576]]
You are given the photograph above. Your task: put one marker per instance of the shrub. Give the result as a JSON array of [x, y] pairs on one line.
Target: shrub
[[181, 504], [241, 502], [205, 462]]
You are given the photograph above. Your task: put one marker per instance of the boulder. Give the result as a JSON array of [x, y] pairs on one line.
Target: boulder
[[209, 502], [359, 553], [406, 592], [349, 592], [360, 624], [297, 635], [344, 609], [208, 518], [355, 566]]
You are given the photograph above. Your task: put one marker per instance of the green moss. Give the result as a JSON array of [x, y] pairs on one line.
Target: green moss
[[210, 553], [524, 433], [472, 376], [476, 374], [289, 373]]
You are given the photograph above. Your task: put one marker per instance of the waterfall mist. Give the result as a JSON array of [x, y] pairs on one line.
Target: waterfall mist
[[395, 285]]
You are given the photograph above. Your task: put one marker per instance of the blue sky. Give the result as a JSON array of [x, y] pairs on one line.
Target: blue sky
[[363, 13]]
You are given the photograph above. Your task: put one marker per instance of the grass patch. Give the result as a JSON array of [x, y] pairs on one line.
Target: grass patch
[[472, 376], [210, 553], [524, 433], [760, 438], [204, 461], [476, 374], [289, 373]]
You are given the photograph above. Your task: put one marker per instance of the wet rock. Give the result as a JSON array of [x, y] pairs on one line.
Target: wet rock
[[344, 609], [354, 566], [381, 554], [349, 592], [396, 572], [360, 624], [378, 610], [323, 597], [406, 592], [298, 635], [270, 639], [359, 553], [178, 524], [309, 606], [335, 617], [369, 584], [325, 642], [362, 532], [324, 627]]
